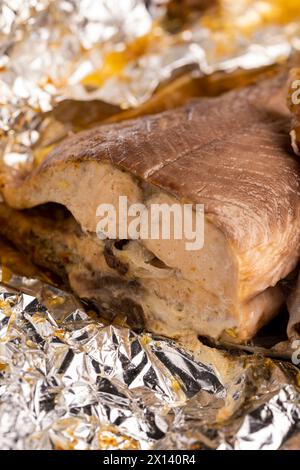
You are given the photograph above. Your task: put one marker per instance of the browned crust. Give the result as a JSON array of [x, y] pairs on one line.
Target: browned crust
[[231, 153]]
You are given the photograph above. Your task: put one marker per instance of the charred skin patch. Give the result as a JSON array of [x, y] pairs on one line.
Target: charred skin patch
[[134, 313], [113, 296], [127, 308], [111, 260], [97, 280], [43, 253]]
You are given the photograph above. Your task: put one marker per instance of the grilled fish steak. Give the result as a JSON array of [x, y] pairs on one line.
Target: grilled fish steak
[[230, 153]]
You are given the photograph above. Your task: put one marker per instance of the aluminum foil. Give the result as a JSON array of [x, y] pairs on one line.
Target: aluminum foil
[[67, 381], [54, 51]]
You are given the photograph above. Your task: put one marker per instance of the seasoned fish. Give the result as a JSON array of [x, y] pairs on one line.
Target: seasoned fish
[[294, 105], [230, 153]]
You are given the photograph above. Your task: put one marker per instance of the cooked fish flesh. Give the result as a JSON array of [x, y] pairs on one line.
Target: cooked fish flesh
[[230, 153], [293, 303], [294, 106]]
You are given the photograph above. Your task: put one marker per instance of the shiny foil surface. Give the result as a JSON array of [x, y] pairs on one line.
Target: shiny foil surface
[[61, 51], [67, 380]]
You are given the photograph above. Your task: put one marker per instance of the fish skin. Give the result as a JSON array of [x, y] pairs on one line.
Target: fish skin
[[231, 153]]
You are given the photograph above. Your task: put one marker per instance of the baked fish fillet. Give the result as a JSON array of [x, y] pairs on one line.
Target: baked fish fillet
[[293, 102], [230, 153]]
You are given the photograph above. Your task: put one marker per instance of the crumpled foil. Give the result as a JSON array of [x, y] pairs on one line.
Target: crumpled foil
[[67, 381], [54, 51]]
